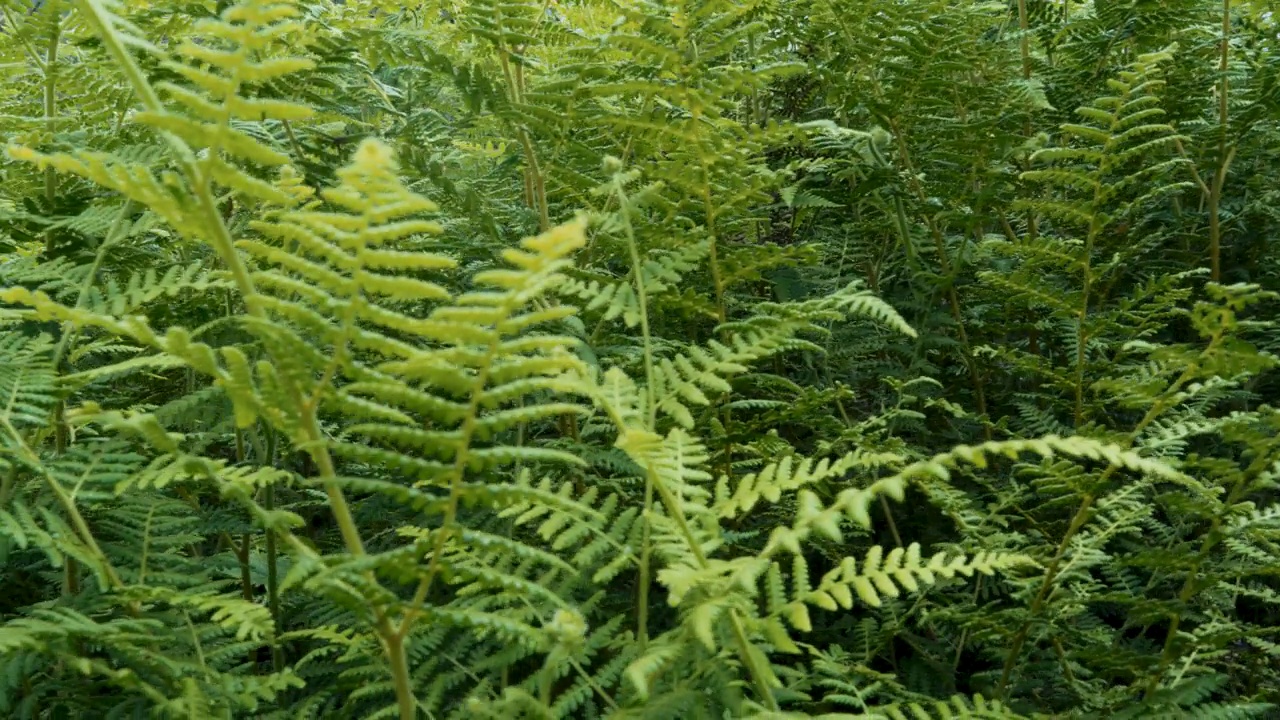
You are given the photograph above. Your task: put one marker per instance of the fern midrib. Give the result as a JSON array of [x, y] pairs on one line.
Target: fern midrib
[[224, 245], [466, 433], [651, 408], [1086, 262]]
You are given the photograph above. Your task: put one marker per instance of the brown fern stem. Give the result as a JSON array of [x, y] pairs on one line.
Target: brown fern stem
[[1158, 408], [1046, 584], [1211, 539], [944, 263], [1224, 155]]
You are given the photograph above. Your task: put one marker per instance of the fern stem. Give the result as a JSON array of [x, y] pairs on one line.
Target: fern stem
[[1024, 49], [642, 298], [893, 526], [399, 661], [50, 111], [1220, 177], [717, 281], [1024, 39], [68, 506], [1211, 539], [70, 577], [465, 435], [32, 54], [944, 262], [713, 260], [535, 183], [591, 681], [8, 481], [267, 457], [60, 431], [273, 584], [1086, 262], [114, 234], [220, 238], [1067, 673], [241, 550], [746, 651], [195, 643], [223, 243], [1046, 584], [539, 184], [337, 500], [884, 504], [293, 140], [644, 580], [546, 679], [1158, 407], [100, 21], [964, 635], [146, 545], [1215, 219], [1167, 650]]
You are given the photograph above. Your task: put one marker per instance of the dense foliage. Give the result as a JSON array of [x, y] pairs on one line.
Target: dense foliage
[[639, 358]]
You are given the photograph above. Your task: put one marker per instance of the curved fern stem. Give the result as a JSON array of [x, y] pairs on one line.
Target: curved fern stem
[[100, 21], [32, 54], [466, 434], [745, 650], [394, 637], [68, 506], [1158, 407], [591, 682], [1185, 594], [115, 233]]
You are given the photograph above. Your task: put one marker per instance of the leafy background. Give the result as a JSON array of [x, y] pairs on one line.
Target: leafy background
[[638, 358]]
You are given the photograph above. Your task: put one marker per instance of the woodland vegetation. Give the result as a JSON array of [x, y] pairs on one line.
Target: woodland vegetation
[[639, 359]]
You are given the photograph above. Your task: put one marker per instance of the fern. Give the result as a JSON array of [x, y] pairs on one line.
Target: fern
[[665, 358]]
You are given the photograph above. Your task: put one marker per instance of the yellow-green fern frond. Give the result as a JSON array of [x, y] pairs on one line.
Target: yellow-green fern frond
[[886, 574], [661, 271], [786, 475]]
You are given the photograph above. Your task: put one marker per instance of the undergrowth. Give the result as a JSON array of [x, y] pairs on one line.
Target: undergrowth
[[638, 358]]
